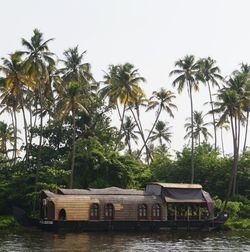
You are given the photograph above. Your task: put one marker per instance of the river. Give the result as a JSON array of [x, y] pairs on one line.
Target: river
[[35, 240]]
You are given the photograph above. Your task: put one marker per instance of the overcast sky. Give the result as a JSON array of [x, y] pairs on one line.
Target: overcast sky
[[151, 34]]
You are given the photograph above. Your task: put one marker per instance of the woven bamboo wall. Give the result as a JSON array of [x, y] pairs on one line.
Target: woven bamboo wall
[[126, 207]]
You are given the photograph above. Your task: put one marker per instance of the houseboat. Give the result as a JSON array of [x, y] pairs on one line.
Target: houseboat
[[159, 206]]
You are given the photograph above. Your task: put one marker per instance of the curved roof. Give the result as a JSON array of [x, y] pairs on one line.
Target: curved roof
[[177, 185], [103, 191]]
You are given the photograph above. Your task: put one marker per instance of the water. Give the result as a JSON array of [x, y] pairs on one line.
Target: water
[[35, 240]]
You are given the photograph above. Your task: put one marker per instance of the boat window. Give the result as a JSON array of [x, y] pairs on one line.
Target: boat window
[[62, 215], [94, 212], [142, 212], [156, 212], [108, 211]]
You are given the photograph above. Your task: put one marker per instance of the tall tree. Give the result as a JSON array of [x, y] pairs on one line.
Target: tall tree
[[122, 87], [245, 92], [70, 102], [161, 132], [161, 100], [229, 108], [15, 88], [38, 57], [200, 128], [209, 74], [187, 70], [129, 133], [75, 69]]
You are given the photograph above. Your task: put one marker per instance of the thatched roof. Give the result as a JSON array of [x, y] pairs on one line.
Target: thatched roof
[[104, 191], [177, 185]]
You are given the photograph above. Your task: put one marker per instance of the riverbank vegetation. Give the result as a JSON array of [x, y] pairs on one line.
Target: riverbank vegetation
[[60, 131]]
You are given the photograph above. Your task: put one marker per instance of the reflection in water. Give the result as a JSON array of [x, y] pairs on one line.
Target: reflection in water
[[35, 240]]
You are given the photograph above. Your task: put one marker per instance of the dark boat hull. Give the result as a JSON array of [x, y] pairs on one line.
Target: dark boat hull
[[129, 225]]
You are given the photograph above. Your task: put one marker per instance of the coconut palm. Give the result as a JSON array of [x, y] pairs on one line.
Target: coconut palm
[[69, 103], [209, 74], [14, 90], [162, 133], [245, 92], [128, 133], [200, 128], [76, 70], [237, 82], [186, 72], [161, 100], [38, 57], [141, 101], [122, 87], [229, 107]]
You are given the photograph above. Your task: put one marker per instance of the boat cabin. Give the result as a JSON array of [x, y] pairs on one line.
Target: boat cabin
[[158, 202]]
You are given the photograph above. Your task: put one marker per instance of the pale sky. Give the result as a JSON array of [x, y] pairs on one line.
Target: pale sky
[[151, 34]]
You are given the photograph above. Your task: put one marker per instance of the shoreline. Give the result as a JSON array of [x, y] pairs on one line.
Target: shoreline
[[7, 222]]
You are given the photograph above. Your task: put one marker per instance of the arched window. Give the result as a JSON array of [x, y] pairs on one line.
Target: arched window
[[94, 212], [156, 212], [108, 211], [142, 212], [62, 215]]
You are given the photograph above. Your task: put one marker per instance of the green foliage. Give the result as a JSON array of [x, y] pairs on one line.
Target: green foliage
[[7, 222], [103, 167], [238, 224]]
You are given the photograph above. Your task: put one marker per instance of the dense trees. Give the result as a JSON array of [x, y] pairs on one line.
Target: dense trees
[[69, 137]]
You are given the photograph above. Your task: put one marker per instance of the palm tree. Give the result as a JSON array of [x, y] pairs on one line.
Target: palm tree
[[187, 70], [161, 132], [245, 92], [122, 86], [229, 108], [238, 82], [200, 128], [76, 70], [38, 57], [209, 74], [141, 101], [128, 133], [15, 89], [71, 102], [161, 100]]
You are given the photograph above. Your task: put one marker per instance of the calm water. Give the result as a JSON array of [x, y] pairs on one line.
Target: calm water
[[34, 240]]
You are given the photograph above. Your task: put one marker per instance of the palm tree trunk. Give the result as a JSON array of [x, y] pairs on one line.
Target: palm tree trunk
[[192, 133], [39, 155], [122, 119], [73, 149], [212, 108], [160, 139], [129, 146], [25, 131], [246, 131], [15, 135], [139, 126], [237, 158], [222, 142], [150, 132], [230, 184]]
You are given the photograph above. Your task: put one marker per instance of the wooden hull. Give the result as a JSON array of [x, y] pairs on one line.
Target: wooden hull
[[128, 225]]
